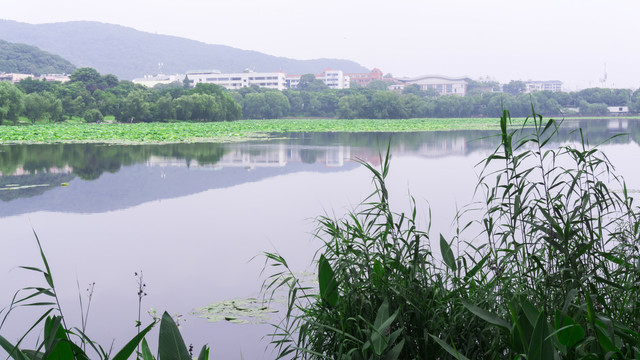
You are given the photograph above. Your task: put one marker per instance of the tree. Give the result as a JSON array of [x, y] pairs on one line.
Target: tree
[[277, 103], [634, 104], [42, 106], [255, 106], [296, 102], [93, 116], [135, 108], [308, 82], [163, 108], [413, 89], [386, 105], [352, 106], [31, 85], [378, 85], [186, 83], [514, 87], [89, 77], [11, 102]]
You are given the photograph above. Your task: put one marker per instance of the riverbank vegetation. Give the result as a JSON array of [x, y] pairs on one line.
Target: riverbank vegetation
[[544, 266], [93, 97]]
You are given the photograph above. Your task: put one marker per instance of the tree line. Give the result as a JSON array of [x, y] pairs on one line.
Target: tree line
[[93, 96]]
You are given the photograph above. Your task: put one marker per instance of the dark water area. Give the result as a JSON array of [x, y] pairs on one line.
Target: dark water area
[[195, 218]]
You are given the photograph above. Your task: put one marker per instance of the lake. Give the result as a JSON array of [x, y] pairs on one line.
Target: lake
[[196, 218]]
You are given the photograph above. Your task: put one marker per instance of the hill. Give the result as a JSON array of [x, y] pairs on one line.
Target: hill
[[26, 59], [129, 53]]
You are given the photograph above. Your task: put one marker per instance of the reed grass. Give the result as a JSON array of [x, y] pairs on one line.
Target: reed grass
[[553, 273]]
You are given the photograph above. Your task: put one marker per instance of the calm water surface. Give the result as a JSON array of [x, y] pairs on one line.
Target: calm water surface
[[195, 218]]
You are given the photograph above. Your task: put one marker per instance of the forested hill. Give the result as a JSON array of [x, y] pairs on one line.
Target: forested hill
[[26, 59], [129, 53]]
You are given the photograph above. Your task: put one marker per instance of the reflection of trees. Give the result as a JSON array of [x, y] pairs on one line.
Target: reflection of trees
[[89, 161], [308, 156]]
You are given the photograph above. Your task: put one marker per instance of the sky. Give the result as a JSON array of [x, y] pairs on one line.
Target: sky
[[568, 40]]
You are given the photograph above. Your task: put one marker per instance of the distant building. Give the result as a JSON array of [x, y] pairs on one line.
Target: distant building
[[234, 81], [551, 85], [16, 78], [334, 79], [442, 84], [618, 110], [363, 79], [153, 80]]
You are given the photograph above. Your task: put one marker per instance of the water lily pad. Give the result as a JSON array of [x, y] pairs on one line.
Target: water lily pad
[[237, 311]]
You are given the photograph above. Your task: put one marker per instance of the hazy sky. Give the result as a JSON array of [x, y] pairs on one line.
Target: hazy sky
[[567, 40]]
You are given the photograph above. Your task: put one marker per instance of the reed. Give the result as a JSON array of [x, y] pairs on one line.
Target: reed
[[552, 274]]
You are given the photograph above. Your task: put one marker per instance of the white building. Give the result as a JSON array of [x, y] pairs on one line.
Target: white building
[[334, 79], [551, 85], [272, 80], [442, 84], [16, 78], [153, 80], [618, 110]]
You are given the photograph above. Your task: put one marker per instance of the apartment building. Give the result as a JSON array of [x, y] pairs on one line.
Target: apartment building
[[334, 79], [551, 85], [363, 79], [234, 81]]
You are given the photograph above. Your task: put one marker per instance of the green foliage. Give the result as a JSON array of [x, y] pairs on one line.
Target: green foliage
[[514, 87], [11, 102], [553, 273], [60, 342], [42, 106], [308, 82], [378, 85], [93, 116], [26, 59], [176, 132]]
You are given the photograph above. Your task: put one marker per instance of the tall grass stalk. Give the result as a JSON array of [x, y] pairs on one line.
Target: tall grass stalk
[[554, 272]]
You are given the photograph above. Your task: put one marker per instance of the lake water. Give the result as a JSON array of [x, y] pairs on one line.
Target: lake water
[[195, 218]]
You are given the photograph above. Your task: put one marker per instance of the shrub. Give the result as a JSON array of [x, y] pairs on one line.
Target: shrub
[[93, 116]]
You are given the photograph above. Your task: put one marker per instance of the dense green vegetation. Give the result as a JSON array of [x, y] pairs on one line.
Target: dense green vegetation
[[545, 266], [221, 131], [96, 97], [129, 53], [25, 59]]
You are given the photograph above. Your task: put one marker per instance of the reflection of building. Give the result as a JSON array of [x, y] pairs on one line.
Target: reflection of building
[[455, 146], [251, 156], [551, 85], [618, 125], [442, 84]]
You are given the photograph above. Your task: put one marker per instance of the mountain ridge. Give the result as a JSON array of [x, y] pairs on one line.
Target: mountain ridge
[[28, 59], [129, 53]]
